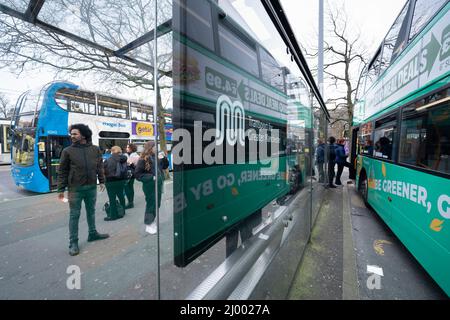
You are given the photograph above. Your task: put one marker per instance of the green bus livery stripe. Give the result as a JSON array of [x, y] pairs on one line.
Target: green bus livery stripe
[[435, 84], [210, 54], [212, 105]]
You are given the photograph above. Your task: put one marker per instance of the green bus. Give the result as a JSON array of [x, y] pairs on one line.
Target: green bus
[[235, 149], [401, 134]]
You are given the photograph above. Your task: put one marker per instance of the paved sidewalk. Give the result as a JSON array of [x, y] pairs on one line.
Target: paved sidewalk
[[321, 273], [347, 238]]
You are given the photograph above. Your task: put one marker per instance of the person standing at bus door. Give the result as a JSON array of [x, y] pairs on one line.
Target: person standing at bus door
[[341, 160], [320, 159], [331, 156], [79, 168], [145, 173], [133, 158], [116, 174]]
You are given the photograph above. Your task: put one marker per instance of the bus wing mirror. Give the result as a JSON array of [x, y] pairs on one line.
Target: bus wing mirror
[[222, 14]]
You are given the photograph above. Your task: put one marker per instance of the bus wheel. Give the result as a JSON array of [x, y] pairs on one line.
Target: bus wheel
[[364, 189]]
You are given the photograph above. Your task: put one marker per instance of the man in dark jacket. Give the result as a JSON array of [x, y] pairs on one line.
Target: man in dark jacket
[[80, 166], [320, 159], [331, 156], [115, 183]]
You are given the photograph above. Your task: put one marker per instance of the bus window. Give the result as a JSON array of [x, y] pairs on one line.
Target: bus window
[[365, 140], [424, 10], [61, 101], [23, 148], [82, 102], [26, 120], [5, 139], [384, 135], [373, 72], [198, 22], [31, 103], [236, 50], [271, 71], [111, 107], [77, 101], [29, 110], [141, 112], [425, 134], [394, 39], [361, 85]]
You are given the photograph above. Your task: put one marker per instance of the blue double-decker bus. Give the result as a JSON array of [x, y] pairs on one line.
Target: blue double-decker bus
[[40, 129]]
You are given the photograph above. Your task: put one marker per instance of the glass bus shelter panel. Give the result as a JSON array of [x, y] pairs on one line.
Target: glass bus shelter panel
[[320, 166], [18, 5], [34, 245], [241, 151]]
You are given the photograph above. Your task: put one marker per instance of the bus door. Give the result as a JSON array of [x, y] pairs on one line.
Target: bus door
[[55, 146], [354, 153]]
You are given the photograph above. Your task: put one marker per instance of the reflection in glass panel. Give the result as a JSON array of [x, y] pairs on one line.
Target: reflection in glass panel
[[271, 71], [373, 73], [112, 24], [141, 112], [234, 161], [51, 252], [423, 12], [199, 23], [425, 140], [112, 107], [392, 41], [19, 5], [239, 181], [237, 51]]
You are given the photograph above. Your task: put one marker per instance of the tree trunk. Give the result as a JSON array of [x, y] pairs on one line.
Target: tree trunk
[[161, 123]]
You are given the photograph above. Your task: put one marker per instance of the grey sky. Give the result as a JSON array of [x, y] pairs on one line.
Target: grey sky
[[371, 18]]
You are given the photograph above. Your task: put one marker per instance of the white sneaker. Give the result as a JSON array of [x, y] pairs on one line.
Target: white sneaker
[[152, 228]]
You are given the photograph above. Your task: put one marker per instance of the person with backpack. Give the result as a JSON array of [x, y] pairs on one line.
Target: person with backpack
[[145, 173], [331, 156], [164, 164], [116, 173], [133, 158], [341, 160], [320, 159]]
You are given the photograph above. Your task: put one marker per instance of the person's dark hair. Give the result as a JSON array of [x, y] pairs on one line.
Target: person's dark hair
[[384, 141], [331, 140], [84, 131], [132, 147], [147, 155]]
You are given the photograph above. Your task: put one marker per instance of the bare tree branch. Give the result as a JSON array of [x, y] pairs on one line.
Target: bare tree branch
[[112, 24]]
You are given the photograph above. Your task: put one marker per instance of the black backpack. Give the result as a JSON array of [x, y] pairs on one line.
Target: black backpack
[[164, 163], [121, 171], [332, 153], [120, 209]]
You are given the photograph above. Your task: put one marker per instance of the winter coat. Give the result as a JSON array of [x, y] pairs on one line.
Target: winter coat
[[80, 165], [133, 158], [111, 166], [144, 175], [320, 153], [331, 153], [341, 157]]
